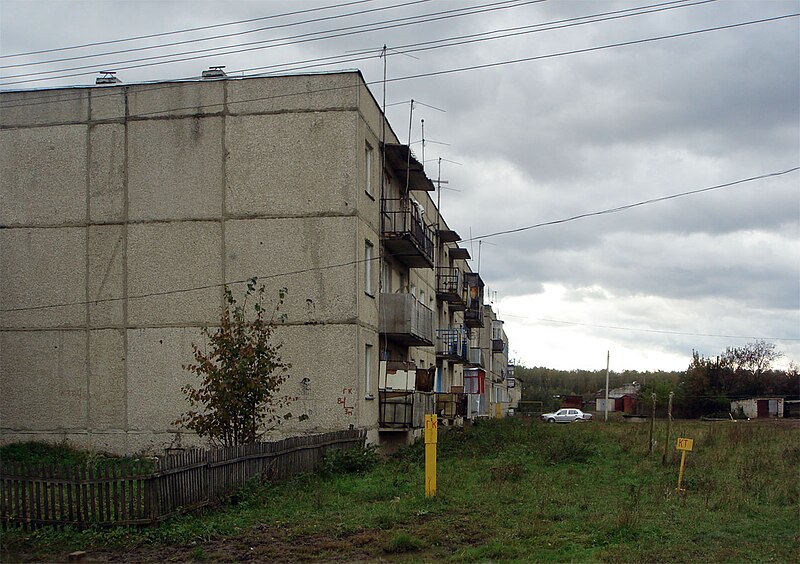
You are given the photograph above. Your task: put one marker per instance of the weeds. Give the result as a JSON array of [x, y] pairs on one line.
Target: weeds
[[403, 542], [350, 461], [507, 491]]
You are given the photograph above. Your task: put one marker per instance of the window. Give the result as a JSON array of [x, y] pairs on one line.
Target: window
[[368, 168], [368, 256], [368, 371]]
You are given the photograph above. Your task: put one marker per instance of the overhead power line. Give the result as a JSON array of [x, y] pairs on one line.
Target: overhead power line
[[659, 331], [62, 98], [634, 205], [213, 37], [300, 271], [279, 42], [189, 30], [445, 42]]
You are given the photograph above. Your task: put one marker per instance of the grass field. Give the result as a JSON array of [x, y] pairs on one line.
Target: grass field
[[508, 490]]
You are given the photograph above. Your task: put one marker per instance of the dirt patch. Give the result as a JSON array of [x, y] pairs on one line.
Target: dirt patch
[[260, 544]]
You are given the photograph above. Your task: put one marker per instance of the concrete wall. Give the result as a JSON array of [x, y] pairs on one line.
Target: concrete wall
[[124, 210]]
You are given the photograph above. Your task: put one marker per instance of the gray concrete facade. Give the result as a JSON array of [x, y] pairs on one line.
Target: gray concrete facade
[[124, 211]]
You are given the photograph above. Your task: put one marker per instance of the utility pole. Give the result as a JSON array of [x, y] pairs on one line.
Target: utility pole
[[669, 424], [605, 405], [652, 421]]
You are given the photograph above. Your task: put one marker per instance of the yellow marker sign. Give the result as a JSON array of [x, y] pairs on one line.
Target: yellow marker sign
[[684, 445], [431, 437]]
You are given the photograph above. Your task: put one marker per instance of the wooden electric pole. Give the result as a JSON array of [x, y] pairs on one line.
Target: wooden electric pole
[[669, 424]]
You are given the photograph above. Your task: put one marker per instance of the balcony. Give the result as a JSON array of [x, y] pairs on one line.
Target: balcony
[[404, 233], [498, 345], [404, 410], [473, 315], [406, 321], [476, 357], [451, 405], [405, 166], [450, 287], [451, 344]]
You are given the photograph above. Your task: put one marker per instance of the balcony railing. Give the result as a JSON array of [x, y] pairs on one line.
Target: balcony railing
[[452, 344], [404, 410], [451, 405], [450, 287], [404, 320], [405, 234], [498, 345], [476, 357], [473, 316]]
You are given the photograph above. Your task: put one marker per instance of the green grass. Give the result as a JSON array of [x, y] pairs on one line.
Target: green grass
[[508, 490]]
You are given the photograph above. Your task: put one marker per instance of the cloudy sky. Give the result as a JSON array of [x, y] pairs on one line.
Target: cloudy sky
[[541, 111]]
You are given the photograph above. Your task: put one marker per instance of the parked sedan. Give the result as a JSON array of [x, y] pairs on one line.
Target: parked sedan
[[567, 415]]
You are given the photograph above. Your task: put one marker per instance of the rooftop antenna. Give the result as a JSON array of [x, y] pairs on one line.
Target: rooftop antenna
[[381, 264], [383, 123], [480, 243], [422, 127], [408, 157]]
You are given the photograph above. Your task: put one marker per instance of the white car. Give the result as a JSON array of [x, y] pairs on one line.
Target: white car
[[567, 415]]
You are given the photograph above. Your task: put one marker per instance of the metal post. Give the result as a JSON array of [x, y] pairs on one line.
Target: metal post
[[605, 405], [652, 421]]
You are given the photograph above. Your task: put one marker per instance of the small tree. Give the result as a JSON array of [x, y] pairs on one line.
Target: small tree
[[240, 375]]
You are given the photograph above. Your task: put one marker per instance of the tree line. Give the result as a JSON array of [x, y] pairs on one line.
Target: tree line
[[706, 387]]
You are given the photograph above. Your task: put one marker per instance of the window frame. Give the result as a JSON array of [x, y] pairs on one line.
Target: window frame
[[369, 256], [369, 188]]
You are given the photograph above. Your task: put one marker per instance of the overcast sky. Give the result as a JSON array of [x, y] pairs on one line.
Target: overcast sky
[[581, 126]]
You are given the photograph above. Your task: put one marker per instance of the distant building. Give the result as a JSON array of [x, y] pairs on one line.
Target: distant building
[[759, 407], [624, 398]]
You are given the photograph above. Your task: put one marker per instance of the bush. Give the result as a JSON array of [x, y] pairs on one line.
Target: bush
[[350, 461]]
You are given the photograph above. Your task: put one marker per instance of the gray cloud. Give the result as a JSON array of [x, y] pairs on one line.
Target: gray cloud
[[553, 138]]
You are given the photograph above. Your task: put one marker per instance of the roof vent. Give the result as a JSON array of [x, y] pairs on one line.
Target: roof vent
[[107, 78], [214, 72]]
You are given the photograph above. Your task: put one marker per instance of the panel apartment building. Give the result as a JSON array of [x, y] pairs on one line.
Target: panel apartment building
[[126, 209]]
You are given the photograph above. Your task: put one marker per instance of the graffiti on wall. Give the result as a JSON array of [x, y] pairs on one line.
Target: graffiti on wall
[[345, 399]]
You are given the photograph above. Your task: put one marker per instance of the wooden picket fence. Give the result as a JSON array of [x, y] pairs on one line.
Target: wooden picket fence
[[147, 492]]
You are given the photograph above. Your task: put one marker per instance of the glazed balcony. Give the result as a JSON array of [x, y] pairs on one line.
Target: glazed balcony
[[406, 321], [473, 315], [450, 287], [404, 233], [401, 410], [476, 357]]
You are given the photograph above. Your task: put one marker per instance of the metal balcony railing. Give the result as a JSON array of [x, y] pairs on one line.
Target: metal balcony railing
[[450, 286], [405, 234], [451, 405], [405, 320], [452, 344]]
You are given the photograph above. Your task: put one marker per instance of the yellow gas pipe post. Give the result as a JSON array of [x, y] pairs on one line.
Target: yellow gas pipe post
[[431, 437], [684, 445]]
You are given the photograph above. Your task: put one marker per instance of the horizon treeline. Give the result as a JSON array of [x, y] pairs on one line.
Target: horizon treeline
[[706, 387]]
